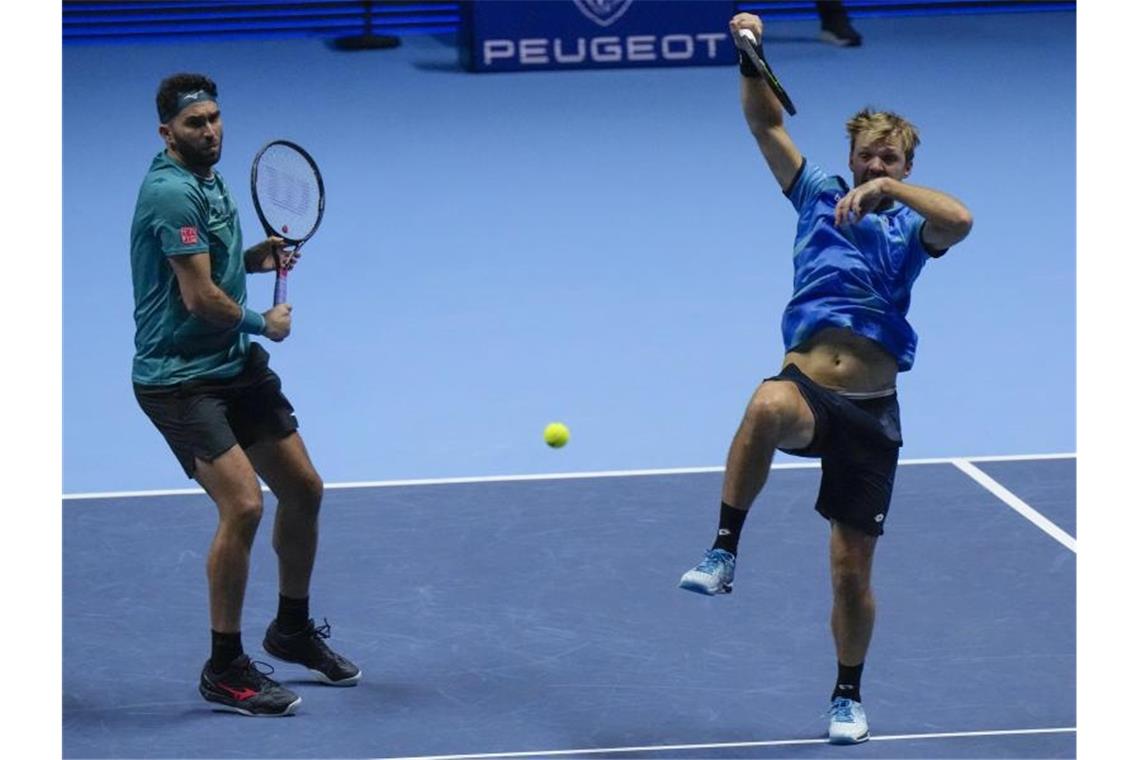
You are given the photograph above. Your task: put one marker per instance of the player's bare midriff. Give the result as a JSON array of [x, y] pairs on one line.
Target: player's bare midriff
[[838, 358]]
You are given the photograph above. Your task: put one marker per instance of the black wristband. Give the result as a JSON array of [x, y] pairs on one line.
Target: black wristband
[[747, 68]]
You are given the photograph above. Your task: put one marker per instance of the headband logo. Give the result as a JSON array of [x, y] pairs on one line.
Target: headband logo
[[187, 99]]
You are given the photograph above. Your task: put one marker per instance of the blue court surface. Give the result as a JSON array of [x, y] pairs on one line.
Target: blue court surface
[[541, 616]]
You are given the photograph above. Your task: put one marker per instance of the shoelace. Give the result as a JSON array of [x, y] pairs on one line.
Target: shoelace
[[711, 563], [256, 674], [322, 631], [841, 711]]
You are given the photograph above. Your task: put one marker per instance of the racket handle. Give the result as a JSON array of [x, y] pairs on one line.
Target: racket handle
[[751, 48], [280, 287]]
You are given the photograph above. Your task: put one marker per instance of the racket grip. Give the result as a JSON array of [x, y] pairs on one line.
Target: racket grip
[[750, 64], [279, 288]]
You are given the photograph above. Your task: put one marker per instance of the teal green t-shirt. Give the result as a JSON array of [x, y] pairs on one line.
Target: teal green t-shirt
[[178, 214]]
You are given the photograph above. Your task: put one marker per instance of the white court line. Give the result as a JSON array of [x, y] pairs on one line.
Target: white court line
[[567, 476], [733, 745], [1019, 506]]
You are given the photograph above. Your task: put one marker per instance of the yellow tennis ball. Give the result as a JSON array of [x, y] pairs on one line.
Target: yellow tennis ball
[[556, 435]]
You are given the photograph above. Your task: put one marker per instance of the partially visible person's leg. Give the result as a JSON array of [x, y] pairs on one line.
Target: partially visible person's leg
[[852, 622], [287, 469], [229, 678], [857, 481], [853, 602], [231, 483], [285, 466], [777, 416], [835, 25]]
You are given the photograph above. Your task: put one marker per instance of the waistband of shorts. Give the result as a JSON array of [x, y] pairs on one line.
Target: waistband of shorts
[[792, 370], [868, 395], [255, 356]]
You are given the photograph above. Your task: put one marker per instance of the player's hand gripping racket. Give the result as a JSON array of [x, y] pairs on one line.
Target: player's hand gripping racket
[[746, 41], [289, 196]]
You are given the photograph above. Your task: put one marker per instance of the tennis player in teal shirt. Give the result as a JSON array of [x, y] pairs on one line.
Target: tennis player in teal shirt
[[209, 390], [182, 214], [858, 250]]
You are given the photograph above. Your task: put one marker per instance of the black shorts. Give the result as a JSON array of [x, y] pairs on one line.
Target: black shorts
[[857, 442], [205, 418]]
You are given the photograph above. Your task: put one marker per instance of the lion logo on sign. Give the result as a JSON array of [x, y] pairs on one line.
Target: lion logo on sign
[[603, 12]]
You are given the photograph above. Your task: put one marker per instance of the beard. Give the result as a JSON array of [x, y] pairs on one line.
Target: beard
[[199, 155]]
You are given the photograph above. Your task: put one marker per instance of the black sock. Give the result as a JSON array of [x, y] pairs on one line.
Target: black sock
[[224, 649], [728, 533], [847, 684], [292, 614]]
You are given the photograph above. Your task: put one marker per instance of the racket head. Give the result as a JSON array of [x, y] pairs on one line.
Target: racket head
[[288, 191]]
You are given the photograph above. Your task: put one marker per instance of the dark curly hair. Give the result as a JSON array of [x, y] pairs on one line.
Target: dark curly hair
[[176, 84]]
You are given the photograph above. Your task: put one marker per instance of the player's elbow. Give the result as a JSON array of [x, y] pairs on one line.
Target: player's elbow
[[956, 223], [962, 223], [964, 219], [192, 302], [948, 232]]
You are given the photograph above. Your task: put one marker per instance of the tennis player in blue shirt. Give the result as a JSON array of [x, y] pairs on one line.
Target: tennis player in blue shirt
[[858, 251]]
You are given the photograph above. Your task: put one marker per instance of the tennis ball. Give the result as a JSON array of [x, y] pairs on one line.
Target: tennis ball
[[556, 435]]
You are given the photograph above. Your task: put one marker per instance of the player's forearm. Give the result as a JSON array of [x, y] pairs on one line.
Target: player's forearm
[[937, 208], [762, 109], [212, 305]]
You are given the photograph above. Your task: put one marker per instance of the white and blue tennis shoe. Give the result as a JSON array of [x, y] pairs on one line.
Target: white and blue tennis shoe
[[713, 575], [848, 722]]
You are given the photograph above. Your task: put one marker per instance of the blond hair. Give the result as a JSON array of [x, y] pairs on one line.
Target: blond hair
[[883, 125]]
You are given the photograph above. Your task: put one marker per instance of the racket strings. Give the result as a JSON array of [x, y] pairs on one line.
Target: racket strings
[[284, 190], [288, 190]]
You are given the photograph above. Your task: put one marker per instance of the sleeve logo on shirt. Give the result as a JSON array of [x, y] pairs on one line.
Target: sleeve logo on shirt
[[189, 235]]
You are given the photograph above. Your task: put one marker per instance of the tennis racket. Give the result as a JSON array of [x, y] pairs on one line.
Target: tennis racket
[[755, 52], [289, 196]]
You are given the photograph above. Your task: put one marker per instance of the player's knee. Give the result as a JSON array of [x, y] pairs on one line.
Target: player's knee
[[243, 511], [310, 489], [771, 407], [302, 500], [243, 514], [850, 581]]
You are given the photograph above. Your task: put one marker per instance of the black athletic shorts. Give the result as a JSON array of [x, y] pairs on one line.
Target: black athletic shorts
[[205, 418], [857, 442]]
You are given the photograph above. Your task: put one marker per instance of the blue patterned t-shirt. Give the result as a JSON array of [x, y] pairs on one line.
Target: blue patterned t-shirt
[[856, 276]]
